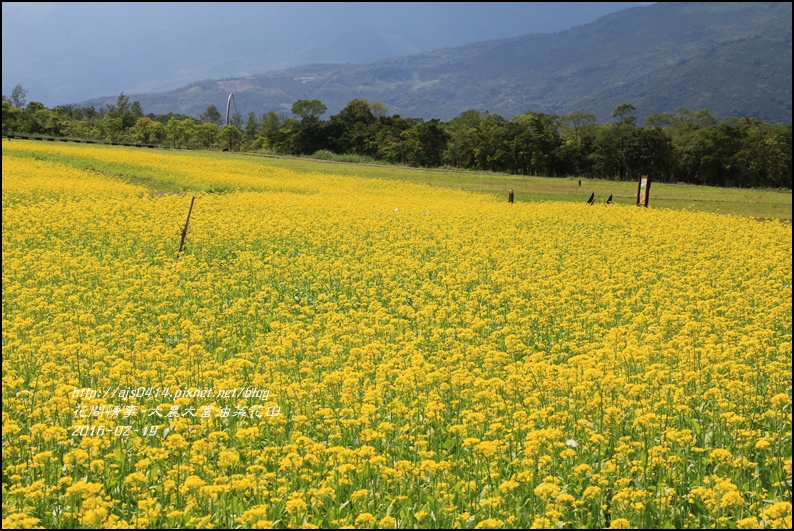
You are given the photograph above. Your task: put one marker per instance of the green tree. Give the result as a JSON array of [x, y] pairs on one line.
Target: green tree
[[207, 134], [310, 136], [147, 131], [354, 129], [230, 137], [358, 111], [577, 131], [128, 113], [379, 110], [487, 153], [607, 156], [577, 124], [56, 121], [11, 118], [212, 115], [136, 110], [112, 128], [535, 145], [251, 131], [80, 129], [304, 109], [270, 129], [659, 119], [765, 156], [33, 118], [236, 120], [387, 138], [18, 97], [180, 132], [684, 120], [625, 113], [423, 144], [410, 147], [434, 142], [463, 139]]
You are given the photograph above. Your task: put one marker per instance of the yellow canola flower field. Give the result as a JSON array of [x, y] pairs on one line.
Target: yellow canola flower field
[[331, 351]]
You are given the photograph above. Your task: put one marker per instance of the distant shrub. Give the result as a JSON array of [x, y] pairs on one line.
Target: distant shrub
[[266, 151], [325, 154]]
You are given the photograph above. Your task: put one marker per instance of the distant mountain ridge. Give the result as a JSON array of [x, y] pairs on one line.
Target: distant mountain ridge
[[71, 51], [732, 58]]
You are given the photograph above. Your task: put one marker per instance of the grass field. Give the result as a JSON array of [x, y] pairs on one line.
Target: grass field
[[765, 204], [333, 351]]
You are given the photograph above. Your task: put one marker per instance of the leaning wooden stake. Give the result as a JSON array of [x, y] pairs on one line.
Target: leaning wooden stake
[[184, 230]]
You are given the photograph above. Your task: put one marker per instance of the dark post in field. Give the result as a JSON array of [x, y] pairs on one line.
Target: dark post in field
[[643, 190], [510, 196], [184, 230]]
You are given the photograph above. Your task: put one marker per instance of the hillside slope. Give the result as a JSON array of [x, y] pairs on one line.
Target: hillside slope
[[733, 58]]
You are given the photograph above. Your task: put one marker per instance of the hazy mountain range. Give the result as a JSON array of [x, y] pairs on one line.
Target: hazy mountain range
[[64, 52], [731, 58]]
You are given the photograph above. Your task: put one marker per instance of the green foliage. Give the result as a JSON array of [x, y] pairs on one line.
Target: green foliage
[[124, 112], [624, 113], [230, 138], [212, 115], [18, 97], [11, 118], [305, 109], [324, 154], [685, 146]]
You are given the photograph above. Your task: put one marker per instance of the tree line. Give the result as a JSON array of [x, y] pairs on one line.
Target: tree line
[[684, 146]]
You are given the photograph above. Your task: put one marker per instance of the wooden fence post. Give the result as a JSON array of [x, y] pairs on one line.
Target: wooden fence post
[[184, 230]]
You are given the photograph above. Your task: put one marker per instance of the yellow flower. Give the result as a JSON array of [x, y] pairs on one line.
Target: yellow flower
[[547, 491], [228, 458], [748, 523], [21, 521], [365, 520], [620, 523], [296, 504], [387, 522], [191, 482], [567, 453], [489, 523], [721, 455], [508, 486], [452, 347], [565, 499], [778, 515], [591, 492], [780, 400], [136, 481], [360, 494], [541, 523], [84, 489]]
